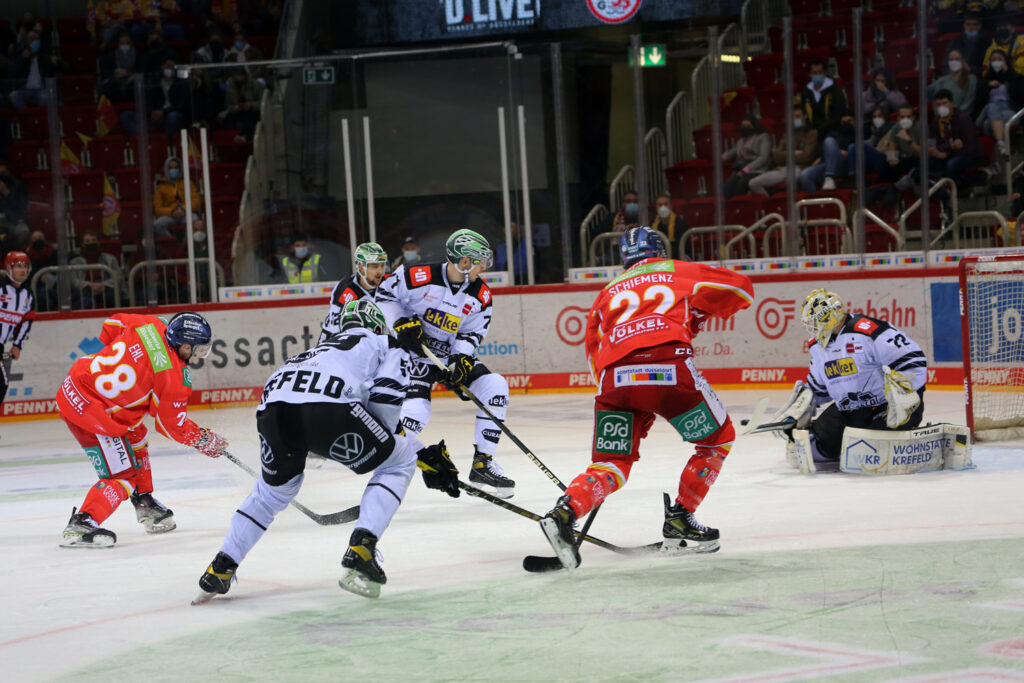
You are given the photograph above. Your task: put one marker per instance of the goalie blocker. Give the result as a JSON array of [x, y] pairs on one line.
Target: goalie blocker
[[875, 452]]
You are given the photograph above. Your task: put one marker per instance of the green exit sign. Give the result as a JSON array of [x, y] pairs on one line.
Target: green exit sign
[[318, 75], [650, 55]]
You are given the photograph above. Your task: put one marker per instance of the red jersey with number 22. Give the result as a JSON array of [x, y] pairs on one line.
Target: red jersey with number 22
[[656, 302], [109, 392]]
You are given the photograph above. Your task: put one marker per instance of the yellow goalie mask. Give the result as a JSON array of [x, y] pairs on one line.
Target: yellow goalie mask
[[822, 314]]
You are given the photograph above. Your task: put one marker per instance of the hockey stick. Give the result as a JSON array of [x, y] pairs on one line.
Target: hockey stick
[[536, 564], [330, 519], [501, 425], [755, 420]]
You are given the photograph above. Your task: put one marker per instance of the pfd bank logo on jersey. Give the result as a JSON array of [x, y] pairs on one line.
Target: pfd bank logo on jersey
[[614, 11], [613, 432], [445, 321], [773, 315], [841, 367], [485, 15], [645, 325]]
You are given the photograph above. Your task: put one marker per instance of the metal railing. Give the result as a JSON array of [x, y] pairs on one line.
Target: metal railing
[[171, 279], [820, 242], [975, 230], [679, 128], [768, 223], [910, 210], [731, 47], [593, 219], [604, 249], [1009, 168], [898, 237], [623, 181], [45, 284], [657, 162], [704, 245]]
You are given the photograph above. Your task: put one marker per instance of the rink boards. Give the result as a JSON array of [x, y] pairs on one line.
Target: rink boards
[[536, 337]]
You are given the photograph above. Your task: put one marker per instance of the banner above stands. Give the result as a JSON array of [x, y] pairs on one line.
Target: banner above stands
[[316, 290], [802, 264]]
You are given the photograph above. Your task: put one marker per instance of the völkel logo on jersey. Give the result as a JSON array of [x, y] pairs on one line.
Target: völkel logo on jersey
[[613, 432]]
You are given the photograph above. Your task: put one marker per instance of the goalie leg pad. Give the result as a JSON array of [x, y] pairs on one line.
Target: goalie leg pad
[[601, 479], [870, 451]]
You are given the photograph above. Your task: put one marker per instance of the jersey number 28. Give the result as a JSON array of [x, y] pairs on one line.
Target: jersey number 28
[[121, 378]]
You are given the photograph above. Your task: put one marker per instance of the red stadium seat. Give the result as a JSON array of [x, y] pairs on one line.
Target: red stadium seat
[[763, 70], [225, 216], [702, 139], [78, 119], [107, 153], [26, 155], [227, 179], [73, 31], [699, 212], [802, 67], [32, 123], [826, 32], [688, 179], [158, 150], [772, 101], [86, 217], [78, 89], [40, 217], [81, 59], [128, 182], [900, 55], [85, 187], [737, 103], [844, 61], [129, 223], [39, 186], [742, 209]]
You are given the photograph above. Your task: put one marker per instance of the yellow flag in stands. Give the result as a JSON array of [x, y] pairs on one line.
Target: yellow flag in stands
[[70, 164], [111, 208], [106, 117]]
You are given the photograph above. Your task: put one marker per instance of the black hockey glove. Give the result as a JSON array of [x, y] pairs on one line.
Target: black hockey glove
[[439, 471], [459, 367], [409, 332]]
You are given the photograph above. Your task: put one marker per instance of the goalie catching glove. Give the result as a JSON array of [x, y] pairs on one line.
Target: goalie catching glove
[[798, 411], [901, 397], [459, 367], [409, 333], [210, 443], [439, 471]]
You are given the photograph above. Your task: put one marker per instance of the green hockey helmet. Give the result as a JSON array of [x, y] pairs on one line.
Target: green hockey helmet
[[363, 313], [467, 243]]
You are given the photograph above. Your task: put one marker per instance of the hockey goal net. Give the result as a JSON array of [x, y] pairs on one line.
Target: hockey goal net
[[992, 325]]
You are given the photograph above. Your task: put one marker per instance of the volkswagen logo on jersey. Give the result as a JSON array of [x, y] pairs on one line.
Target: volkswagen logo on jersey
[[347, 448]]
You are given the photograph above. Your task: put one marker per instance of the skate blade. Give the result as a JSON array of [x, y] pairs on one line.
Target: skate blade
[[674, 546], [354, 582], [504, 492], [203, 598], [159, 527], [77, 542], [565, 555]]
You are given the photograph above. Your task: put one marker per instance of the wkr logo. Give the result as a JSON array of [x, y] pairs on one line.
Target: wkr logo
[[613, 432], [773, 316]]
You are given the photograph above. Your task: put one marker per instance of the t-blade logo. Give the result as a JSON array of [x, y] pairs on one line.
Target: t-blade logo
[[773, 316], [484, 15], [614, 11]]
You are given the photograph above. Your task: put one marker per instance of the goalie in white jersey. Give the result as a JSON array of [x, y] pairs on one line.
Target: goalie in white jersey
[[340, 400], [873, 373], [447, 307]]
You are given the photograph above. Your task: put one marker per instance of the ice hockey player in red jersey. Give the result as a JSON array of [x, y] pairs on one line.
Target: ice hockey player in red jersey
[[638, 344], [17, 309], [143, 368]]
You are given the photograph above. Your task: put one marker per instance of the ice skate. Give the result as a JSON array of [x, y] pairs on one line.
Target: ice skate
[[681, 526], [217, 578], [83, 532], [486, 472], [557, 526], [152, 514], [364, 576]]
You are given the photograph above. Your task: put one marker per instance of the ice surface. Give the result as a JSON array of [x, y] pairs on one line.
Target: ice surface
[[916, 577]]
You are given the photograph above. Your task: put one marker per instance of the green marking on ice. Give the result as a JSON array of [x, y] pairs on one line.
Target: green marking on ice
[[925, 607]]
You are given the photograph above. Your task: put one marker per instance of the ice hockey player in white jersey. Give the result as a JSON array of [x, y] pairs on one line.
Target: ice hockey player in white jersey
[[447, 306], [340, 400], [17, 309], [873, 373], [370, 263]]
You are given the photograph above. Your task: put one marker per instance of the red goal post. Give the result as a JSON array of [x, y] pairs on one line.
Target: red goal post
[[992, 336]]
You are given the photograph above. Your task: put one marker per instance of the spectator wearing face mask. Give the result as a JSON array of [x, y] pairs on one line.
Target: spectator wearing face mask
[[13, 208], [904, 151], [751, 156], [169, 200], [43, 255], [117, 70], [168, 100], [666, 221], [1006, 39], [241, 103], [242, 51], [882, 92], [34, 62], [1000, 94], [879, 138], [971, 44], [956, 147], [154, 55], [628, 215], [958, 80], [301, 264], [410, 253], [805, 151], [97, 286]]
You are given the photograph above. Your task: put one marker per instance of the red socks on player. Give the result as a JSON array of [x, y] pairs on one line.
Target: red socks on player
[[104, 497], [599, 481]]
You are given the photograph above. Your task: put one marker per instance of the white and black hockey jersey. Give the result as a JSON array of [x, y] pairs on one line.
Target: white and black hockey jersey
[[17, 310], [455, 317], [355, 366], [849, 369], [347, 289]]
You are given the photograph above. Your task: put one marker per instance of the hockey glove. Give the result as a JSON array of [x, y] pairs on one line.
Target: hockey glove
[[698, 321], [901, 397], [409, 332], [210, 443], [439, 471], [459, 367], [799, 409]]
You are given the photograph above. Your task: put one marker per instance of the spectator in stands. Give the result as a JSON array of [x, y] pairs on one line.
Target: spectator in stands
[[518, 250], [169, 200], [168, 102], [117, 71], [200, 249], [1006, 39], [805, 151], [241, 103], [628, 215], [667, 221], [43, 255], [824, 102], [302, 264], [971, 44], [1017, 198], [153, 57], [98, 286], [241, 51], [113, 16], [410, 253], [33, 64], [13, 209], [882, 92], [880, 135], [958, 80], [957, 148], [213, 51], [1000, 95], [26, 24], [751, 155]]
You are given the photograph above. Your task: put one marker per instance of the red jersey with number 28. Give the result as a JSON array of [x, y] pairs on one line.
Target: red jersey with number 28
[[660, 301], [109, 392]]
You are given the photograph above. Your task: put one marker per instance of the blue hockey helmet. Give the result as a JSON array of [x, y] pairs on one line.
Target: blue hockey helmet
[[190, 328], [639, 243]]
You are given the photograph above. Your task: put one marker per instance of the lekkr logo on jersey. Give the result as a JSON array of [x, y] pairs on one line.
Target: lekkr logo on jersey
[[841, 367], [446, 321]]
